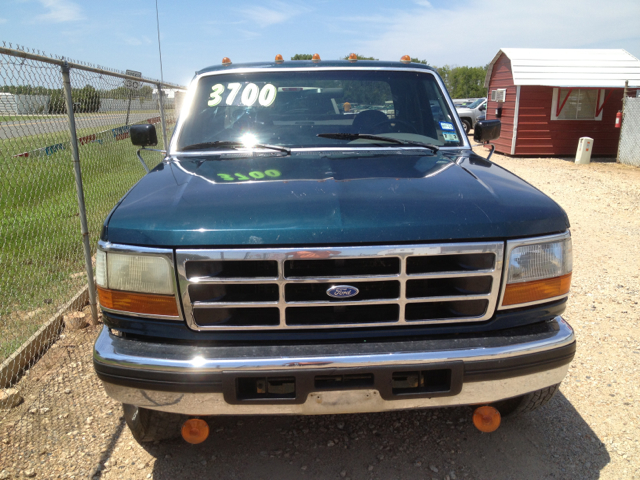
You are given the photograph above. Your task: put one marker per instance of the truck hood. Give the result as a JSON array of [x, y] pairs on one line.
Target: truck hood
[[385, 196], [464, 110]]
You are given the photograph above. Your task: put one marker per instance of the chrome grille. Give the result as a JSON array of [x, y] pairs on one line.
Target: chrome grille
[[239, 289]]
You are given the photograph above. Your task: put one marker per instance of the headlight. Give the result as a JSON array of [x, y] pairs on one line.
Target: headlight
[[139, 284], [538, 270]]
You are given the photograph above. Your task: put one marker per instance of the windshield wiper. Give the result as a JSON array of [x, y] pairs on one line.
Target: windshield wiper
[[367, 136], [228, 144]]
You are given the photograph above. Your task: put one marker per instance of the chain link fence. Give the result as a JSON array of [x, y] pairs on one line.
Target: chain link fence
[[47, 326], [629, 148]]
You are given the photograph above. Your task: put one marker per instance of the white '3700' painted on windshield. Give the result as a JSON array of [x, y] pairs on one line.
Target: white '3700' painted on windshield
[[250, 93]]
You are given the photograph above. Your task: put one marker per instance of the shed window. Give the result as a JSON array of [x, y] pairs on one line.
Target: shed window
[[577, 104]]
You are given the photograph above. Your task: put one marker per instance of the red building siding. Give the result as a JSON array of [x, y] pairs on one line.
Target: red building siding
[[539, 135], [501, 77]]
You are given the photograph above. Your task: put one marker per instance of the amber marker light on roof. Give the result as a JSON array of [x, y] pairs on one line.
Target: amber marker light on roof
[[405, 59], [486, 419], [315, 57], [353, 57], [279, 58], [226, 61], [195, 430]]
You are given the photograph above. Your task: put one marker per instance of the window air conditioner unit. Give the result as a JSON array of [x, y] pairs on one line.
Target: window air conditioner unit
[[501, 95]]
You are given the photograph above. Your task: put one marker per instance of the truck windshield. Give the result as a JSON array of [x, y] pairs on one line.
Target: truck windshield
[[290, 109], [476, 103]]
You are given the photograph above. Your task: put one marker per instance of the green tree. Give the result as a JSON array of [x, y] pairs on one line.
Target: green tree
[[145, 92], [464, 82], [88, 99], [85, 99], [302, 56], [360, 57], [57, 103], [417, 60]]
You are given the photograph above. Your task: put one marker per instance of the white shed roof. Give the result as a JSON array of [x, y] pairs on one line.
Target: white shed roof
[[556, 67]]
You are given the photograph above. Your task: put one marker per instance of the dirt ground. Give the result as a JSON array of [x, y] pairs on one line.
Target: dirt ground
[[68, 428]]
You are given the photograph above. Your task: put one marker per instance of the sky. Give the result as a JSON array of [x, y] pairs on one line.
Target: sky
[[194, 34]]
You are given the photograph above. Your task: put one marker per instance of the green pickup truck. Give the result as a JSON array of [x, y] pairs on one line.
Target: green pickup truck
[[291, 255]]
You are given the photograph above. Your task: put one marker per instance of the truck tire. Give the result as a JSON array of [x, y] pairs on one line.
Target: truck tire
[[466, 124], [526, 403], [151, 425]]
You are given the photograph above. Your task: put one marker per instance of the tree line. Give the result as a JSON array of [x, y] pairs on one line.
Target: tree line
[[461, 82], [85, 99]]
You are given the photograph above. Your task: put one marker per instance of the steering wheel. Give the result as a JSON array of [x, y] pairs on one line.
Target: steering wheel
[[392, 125]]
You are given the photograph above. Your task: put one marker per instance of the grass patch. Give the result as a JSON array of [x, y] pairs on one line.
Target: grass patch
[[41, 255]]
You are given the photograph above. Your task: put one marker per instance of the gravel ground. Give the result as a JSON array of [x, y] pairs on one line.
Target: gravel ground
[[68, 428]]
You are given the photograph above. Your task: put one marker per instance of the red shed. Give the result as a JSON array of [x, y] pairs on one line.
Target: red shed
[[548, 98]]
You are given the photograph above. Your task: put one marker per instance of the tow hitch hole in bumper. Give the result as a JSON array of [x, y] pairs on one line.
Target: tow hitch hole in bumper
[[255, 388], [428, 381], [343, 382]]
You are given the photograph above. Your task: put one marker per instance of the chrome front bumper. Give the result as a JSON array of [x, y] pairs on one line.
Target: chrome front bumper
[[190, 380]]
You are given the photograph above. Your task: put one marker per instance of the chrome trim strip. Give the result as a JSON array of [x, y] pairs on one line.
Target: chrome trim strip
[[261, 280], [338, 402], [449, 298], [141, 315], [134, 250], [511, 244], [386, 251], [200, 359], [339, 303], [189, 98], [473, 273], [373, 278], [235, 304]]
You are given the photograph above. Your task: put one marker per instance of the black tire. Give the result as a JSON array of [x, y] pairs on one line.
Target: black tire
[[466, 124], [150, 425], [526, 403]]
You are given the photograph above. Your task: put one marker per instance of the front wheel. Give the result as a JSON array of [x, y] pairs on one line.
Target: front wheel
[[526, 403], [151, 425], [466, 124]]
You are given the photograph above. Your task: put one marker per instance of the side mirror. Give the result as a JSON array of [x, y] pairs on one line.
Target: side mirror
[[143, 135], [486, 130], [482, 108]]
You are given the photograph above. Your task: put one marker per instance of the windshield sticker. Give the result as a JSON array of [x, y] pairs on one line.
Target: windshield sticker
[[450, 137], [242, 94], [254, 175], [446, 126]]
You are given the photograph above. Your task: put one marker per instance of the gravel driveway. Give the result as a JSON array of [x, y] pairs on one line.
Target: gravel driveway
[[68, 428]]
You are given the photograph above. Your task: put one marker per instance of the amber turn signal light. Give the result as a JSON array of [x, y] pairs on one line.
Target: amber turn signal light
[[279, 58], [315, 57], [144, 303], [405, 59], [486, 419], [525, 292], [226, 61], [353, 57], [195, 430]]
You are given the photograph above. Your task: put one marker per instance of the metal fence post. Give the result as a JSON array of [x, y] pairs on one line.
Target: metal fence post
[[78, 174], [624, 98], [164, 125]]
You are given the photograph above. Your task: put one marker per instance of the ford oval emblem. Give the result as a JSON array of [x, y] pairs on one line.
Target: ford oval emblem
[[343, 291]]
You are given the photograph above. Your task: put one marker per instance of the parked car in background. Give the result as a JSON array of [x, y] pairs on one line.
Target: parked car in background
[[462, 102], [470, 114]]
